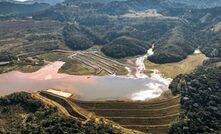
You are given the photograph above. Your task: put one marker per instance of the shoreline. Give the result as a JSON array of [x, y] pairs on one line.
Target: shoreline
[[149, 87]]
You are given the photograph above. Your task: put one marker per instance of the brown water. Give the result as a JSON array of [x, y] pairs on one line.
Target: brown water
[[85, 87]]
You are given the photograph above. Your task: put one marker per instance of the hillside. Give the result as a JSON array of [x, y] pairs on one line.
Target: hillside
[[124, 47], [200, 101], [170, 31], [21, 113], [8, 8], [199, 3], [174, 46], [175, 29]]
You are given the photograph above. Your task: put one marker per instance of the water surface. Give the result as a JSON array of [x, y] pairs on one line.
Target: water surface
[[130, 87], [85, 87]]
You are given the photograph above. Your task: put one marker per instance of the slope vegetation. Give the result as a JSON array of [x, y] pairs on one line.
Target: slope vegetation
[[21, 113], [125, 46], [174, 46], [200, 101]]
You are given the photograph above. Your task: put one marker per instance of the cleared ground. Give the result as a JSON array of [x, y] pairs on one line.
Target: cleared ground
[[171, 70]]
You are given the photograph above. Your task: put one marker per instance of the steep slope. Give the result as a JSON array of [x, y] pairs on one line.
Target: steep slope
[[21, 113], [206, 23], [173, 47]]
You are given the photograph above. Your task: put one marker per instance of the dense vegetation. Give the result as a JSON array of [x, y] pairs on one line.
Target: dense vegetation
[[74, 39], [21, 113], [6, 56], [200, 101], [174, 39], [125, 46], [174, 46], [178, 29], [7, 8]]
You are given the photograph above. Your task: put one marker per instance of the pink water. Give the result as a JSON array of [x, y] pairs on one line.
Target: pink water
[[85, 87]]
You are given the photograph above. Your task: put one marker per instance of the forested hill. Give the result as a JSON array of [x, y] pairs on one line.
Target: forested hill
[[200, 101], [175, 28]]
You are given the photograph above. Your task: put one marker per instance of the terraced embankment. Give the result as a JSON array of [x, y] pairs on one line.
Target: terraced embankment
[[99, 62], [72, 109], [149, 117], [68, 107]]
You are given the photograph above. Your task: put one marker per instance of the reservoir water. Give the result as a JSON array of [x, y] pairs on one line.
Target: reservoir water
[[138, 87]]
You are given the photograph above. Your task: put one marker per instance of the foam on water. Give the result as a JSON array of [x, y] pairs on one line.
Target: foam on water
[[152, 89]]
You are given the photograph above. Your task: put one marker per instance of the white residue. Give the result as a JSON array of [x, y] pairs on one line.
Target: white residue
[[197, 51], [153, 89], [60, 93], [141, 67], [157, 76], [142, 14], [150, 51], [140, 64]]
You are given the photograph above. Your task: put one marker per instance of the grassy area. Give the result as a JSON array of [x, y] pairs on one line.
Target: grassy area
[[171, 70], [74, 67], [55, 56], [28, 68], [5, 69], [23, 68]]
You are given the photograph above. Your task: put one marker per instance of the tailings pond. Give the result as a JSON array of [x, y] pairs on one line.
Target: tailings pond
[[138, 87]]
